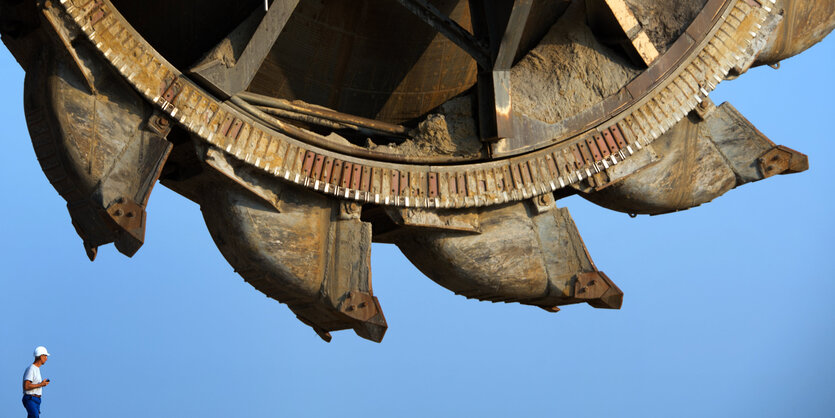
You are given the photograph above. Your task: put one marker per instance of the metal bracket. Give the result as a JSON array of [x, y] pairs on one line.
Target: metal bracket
[[170, 92], [243, 176], [782, 160], [434, 219], [159, 124], [130, 217], [127, 213], [359, 305], [349, 210], [598, 290], [704, 108], [544, 203]]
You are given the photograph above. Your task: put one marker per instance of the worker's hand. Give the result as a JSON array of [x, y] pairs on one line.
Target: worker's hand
[[45, 383]]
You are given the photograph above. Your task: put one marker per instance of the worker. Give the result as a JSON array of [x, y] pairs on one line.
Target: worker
[[33, 384]]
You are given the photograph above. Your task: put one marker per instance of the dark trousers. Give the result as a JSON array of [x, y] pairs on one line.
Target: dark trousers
[[32, 405]]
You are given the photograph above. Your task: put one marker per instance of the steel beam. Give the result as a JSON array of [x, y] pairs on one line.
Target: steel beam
[[227, 75], [614, 23], [502, 29], [512, 34], [449, 28]]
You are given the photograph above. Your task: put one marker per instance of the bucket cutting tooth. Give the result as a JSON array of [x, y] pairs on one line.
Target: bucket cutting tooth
[[298, 247], [701, 158], [98, 142], [528, 252]]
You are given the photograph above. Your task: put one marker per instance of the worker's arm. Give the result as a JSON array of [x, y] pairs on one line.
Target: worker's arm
[[28, 385]]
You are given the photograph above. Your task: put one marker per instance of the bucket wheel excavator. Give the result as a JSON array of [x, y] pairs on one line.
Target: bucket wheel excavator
[[308, 129]]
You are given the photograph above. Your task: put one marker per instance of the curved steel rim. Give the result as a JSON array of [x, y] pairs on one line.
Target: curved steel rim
[[416, 185]]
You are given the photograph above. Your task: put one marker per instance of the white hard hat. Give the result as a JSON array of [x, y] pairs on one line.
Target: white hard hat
[[40, 351]]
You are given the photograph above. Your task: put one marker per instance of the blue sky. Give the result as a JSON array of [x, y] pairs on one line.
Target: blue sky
[[727, 308]]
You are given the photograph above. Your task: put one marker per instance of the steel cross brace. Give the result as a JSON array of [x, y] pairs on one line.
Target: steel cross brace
[[227, 80], [433, 17]]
